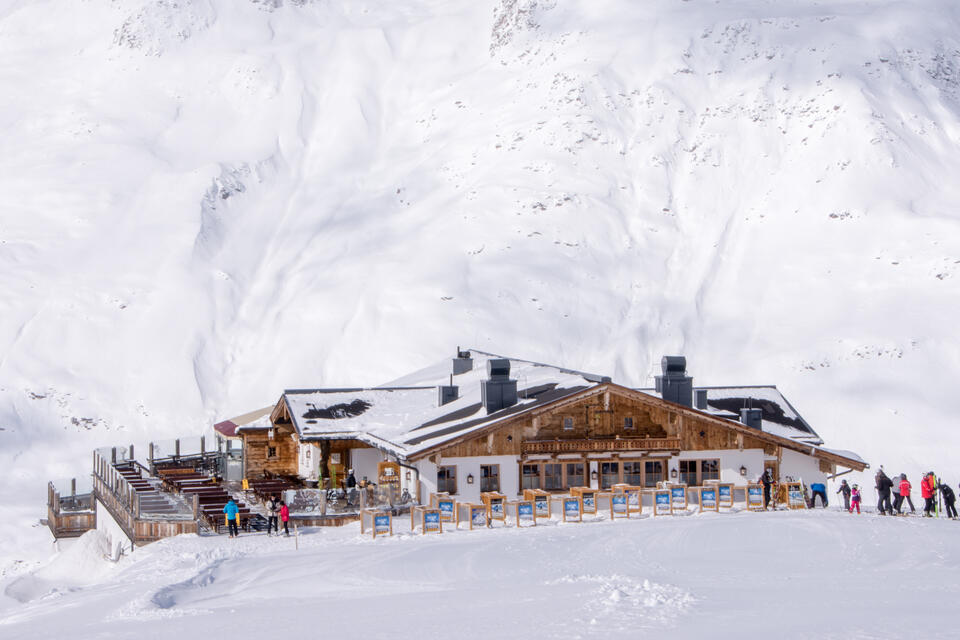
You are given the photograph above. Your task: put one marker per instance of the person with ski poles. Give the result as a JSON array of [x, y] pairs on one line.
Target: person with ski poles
[[905, 489], [928, 489], [855, 499], [845, 490]]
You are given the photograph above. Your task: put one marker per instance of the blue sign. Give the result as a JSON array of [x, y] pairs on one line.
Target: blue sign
[[496, 508], [589, 502], [708, 499], [571, 507], [726, 493], [525, 511], [661, 503], [619, 502], [754, 497], [478, 516], [542, 505], [678, 495], [446, 509], [431, 521], [381, 524]]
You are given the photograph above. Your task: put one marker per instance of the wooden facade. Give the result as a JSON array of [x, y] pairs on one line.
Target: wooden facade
[[270, 452]]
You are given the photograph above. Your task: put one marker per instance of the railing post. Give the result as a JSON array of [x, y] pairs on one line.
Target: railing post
[[177, 447], [132, 457], [203, 446], [136, 503], [151, 454], [196, 505], [73, 487], [113, 455]]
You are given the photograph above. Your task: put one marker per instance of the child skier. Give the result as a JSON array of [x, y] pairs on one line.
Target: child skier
[[949, 499], [855, 499]]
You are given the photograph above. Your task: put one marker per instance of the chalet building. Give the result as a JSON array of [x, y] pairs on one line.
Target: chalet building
[[483, 422]]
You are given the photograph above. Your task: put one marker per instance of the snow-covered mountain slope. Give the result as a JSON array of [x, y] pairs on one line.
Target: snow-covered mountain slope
[[205, 201]]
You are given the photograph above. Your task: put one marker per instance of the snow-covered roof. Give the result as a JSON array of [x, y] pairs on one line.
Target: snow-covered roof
[[404, 416], [779, 418]]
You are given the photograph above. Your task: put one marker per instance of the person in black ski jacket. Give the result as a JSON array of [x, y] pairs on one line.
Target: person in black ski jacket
[[273, 511], [949, 499], [845, 490], [883, 490], [767, 480]]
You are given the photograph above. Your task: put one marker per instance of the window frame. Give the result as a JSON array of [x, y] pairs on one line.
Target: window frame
[[628, 423], [568, 420], [585, 468], [272, 452], [497, 477], [538, 476], [698, 469], [447, 479]]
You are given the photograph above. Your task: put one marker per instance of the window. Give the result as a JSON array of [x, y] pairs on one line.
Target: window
[[694, 472], [633, 472], [574, 474], [628, 423], [552, 476], [530, 476], [688, 472], [709, 470], [609, 474], [271, 452], [489, 477], [447, 480], [653, 473], [568, 424]]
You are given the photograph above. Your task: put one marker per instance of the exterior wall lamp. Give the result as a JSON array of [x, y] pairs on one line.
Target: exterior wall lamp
[[593, 474], [743, 470], [469, 478], [673, 473]]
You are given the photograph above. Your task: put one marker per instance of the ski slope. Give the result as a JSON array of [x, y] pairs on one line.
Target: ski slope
[[820, 574], [204, 202]]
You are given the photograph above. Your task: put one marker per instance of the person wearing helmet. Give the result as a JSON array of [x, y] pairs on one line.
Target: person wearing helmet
[[855, 499]]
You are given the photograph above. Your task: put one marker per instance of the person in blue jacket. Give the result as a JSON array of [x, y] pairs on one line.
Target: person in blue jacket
[[818, 489], [233, 517]]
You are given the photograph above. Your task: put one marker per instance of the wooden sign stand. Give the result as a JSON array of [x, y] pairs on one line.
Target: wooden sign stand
[[541, 501], [675, 491], [754, 495], [374, 517], [619, 505], [526, 512], [569, 514], [662, 503], [496, 504], [634, 497], [588, 498], [795, 496], [431, 517], [709, 499], [724, 494], [448, 510]]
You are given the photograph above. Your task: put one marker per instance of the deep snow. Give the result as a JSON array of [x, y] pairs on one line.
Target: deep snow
[[819, 574], [203, 202]]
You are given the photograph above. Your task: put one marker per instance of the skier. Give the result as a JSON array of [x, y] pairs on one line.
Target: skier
[[232, 512], [285, 517], [273, 509], [895, 490], [883, 490], [818, 489], [845, 490], [855, 499], [928, 489], [949, 500], [767, 479], [905, 488]]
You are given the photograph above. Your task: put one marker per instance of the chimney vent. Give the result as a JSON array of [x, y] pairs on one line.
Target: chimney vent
[[499, 391], [700, 399], [462, 363], [675, 385], [752, 418], [447, 394]]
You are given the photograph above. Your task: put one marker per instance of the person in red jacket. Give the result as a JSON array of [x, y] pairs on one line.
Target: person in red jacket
[[905, 488], [285, 517], [928, 489]]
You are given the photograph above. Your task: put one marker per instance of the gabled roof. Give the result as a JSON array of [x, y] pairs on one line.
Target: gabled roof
[[778, 415], [259, 419], [404, 417]]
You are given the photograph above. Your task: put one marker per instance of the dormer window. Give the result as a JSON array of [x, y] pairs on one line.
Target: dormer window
[[628, 424], [568, 424]]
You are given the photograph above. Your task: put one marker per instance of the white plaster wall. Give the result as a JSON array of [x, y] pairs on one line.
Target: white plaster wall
[[364, 463], [309, 464], [428, 480], [730, 463], [509, 476], [801, 467], [109, 526]]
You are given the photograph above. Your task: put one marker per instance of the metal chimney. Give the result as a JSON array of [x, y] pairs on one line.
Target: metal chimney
[[752, 418], [700, 399], [675, 385], [462, 363], [498, 391]]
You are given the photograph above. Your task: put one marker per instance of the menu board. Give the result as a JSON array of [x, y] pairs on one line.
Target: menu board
[[661, 503]]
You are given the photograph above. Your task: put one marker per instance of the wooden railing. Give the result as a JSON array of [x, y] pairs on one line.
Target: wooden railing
[[69, 516], [600, 445]]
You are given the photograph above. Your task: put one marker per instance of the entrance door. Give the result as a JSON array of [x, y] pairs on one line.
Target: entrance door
[[774, 467], [609, 474]]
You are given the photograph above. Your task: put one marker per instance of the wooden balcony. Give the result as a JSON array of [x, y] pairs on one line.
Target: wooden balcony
[[600, 445]]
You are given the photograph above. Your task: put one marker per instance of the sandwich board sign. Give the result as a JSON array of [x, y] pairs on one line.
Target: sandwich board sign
[[725, 495], [755, 497], [478, 516], [661, 503], [382, 525], [678, 498], [634, 500], [619, 506], [708, 499], [431, 521], [572, 511], [448, 509], [497, 511], [541, 506], [589, 500], [525, 514], [795, 497]]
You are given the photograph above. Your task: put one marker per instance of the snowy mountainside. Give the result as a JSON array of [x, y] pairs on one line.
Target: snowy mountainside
[[203, 202]]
